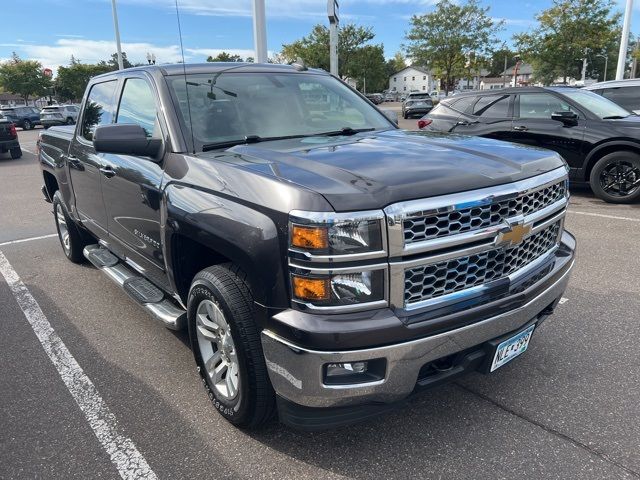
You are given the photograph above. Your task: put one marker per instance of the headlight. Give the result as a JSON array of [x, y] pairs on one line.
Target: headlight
[[326, 289], [324, 235], [320, 240]]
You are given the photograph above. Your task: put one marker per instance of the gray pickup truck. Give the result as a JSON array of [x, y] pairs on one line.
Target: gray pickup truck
[[326, 264]]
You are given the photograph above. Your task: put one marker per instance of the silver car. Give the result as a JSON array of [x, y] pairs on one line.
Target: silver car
[[59, 115], [625, 93]]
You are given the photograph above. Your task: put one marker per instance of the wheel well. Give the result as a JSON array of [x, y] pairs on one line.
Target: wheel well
[[50, 183], [606, 151], [189, 257]]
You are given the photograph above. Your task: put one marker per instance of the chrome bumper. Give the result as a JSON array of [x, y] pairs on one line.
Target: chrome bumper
[[296, 373]]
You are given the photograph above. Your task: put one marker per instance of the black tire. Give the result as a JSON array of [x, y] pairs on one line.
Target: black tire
[[405, 116], [226, 286], [76, 238], [26, 125], [615, 178], [16, 152], [70, 121]]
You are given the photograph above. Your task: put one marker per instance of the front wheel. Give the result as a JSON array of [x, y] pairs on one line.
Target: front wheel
[[615, 178], [226, 345]]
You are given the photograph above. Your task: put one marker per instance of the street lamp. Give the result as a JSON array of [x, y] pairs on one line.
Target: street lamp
[[606, 64]]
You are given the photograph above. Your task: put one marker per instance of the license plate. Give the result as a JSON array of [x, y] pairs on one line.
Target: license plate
[[511, 348]]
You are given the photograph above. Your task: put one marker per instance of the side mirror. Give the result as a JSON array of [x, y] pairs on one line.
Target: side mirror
[[125, 139], [390, 114], [566, 117]]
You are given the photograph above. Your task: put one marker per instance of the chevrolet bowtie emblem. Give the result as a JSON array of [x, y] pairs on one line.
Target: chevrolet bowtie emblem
[[515, 235]]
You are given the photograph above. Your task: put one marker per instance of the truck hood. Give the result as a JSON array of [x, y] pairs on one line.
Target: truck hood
[[375, 169]]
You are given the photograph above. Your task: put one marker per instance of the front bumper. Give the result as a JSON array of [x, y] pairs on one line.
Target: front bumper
[[296, 372]]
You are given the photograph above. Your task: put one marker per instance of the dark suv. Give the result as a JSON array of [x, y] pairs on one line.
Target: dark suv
[[599, 139], [25, 117]]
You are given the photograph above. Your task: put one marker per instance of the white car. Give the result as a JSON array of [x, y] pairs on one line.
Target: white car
[[625, 93], [59, 115]]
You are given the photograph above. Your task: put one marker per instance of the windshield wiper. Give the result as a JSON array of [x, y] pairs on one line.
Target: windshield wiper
[[245, 141], [614, 117], [343, 131]]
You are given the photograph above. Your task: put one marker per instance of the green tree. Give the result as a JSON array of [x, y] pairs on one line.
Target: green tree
[[368, 68], [71, 81], [314, 48], [224, 57], [395, 64], [24, 77], [442, 39], [567, 31], [496, 64]]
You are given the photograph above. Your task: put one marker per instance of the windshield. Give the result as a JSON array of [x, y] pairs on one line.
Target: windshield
[[231, 106], [596, 104]]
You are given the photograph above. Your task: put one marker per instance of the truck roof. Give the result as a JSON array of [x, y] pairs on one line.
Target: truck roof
[[214, 67]]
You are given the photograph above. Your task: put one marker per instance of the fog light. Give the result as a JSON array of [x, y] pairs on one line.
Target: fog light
[[353, 373], [336, 369]]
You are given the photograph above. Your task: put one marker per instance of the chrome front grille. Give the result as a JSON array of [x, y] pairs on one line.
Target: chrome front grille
[[446, 249], [420, 226], [443, 278]]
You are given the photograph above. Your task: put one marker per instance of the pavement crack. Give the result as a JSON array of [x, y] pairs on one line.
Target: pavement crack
[[550, 430]]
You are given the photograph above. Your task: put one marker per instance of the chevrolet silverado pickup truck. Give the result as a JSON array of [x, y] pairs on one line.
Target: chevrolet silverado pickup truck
[[326, 264]]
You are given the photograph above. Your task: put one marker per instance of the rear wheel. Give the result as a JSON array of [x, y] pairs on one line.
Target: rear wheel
[[615, 177], [72, 239], [16, 152], [226, 346], [26, 125]]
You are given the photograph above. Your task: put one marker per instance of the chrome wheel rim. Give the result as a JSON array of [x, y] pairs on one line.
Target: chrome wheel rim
[[620, 179], [217, 349], [63, 230]]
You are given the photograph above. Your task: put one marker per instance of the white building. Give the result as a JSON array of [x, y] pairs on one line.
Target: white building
[[412, 79], [471, 83], [492, 83]]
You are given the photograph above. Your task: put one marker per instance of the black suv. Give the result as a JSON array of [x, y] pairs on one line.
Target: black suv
[[599, 139], [24, 117]]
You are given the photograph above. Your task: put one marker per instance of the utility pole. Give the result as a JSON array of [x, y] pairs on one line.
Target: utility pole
[[117, 29], [504, 73], [606, 64], [332, 13], [624, 41], [584, 68], [260, 31]]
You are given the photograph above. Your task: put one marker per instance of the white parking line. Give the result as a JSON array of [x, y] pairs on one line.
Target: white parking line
[[124, 454], [602, 215], [30, 239]]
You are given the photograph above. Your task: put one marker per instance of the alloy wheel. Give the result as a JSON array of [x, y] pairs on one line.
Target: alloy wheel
[[217, 349], [63, 229], [620, 179]]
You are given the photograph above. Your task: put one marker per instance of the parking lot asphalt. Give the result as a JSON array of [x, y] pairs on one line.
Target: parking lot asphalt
[[567, 409]]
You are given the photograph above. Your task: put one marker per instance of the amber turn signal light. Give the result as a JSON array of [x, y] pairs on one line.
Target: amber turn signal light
[[309, 237], [310, 288]]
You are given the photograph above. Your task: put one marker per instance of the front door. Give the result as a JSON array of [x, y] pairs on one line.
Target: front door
[[533, 126], [83, 162], [131, 191]]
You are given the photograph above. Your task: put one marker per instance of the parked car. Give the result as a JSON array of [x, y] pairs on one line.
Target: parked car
[[390, 97], [599, 139], [376, 98], [416, 104], [9, 138], [625, 93], [24, 117], [325, 263], [58, 115]]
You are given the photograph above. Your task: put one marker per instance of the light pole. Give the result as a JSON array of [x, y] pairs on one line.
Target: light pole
[[606, 64], [624, 41], [332, 13], [117, 30], [260, 31]]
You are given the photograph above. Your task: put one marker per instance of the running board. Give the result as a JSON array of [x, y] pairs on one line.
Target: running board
[[138, 288]]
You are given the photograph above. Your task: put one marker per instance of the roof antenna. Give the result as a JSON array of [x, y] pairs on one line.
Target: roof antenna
[[186, 85]]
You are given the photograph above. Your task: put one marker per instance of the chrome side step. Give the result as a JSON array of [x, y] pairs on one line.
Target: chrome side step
[[140, 289]]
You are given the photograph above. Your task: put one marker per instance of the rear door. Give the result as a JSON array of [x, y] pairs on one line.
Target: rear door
[[489, 116], [533, 126], [131, 191], [84, 164]]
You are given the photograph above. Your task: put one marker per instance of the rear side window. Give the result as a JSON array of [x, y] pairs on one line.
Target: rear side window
[[462, 104], [138, 105], [626, 97], [492, 106], [98, 108]]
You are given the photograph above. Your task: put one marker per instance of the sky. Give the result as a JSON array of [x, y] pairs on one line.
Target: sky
[[50, 31]]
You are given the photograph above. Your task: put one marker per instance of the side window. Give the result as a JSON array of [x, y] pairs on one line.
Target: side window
[[492, 106], [626, 97], [98, 108], [541, 105], [463, 104], [138, 105]]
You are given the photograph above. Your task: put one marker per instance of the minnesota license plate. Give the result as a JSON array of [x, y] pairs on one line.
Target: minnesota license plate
[[511, 348]]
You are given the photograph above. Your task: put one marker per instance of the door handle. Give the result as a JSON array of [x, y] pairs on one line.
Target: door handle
[[74, 162], [520, 128], [108, 171]]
